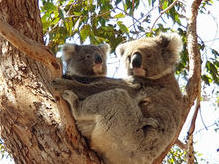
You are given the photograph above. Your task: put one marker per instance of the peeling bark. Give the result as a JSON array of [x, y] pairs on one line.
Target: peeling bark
[[36, 128]]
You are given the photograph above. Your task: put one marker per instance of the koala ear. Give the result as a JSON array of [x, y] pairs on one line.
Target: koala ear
[[171, 45], [120, 49], [68, 50], [171, 42], [105, 48]]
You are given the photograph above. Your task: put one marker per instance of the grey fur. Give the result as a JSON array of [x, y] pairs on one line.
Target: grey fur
[[119, 130], [79, 59]]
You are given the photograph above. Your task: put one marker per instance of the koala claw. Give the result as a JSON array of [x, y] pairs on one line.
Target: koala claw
[[69, 95], [151, 122], [56, 83]]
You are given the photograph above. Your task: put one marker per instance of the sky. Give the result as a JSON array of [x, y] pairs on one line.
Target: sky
[[206, 140]]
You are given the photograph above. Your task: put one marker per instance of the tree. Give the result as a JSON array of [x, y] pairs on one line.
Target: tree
[[36, 124]]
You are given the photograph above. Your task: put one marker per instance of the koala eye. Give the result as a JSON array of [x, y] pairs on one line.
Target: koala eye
[[136, 60]]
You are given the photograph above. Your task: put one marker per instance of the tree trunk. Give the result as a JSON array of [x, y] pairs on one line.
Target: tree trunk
[[33, 125]]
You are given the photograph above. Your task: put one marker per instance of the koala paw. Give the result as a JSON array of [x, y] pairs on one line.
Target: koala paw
[[57, 84], [151, 122], [69, 95]]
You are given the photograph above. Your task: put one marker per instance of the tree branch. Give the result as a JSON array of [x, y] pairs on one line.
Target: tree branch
[[190, 156], [192, 126], [193, 84], [181, 145], [162, 12], [31, 48]]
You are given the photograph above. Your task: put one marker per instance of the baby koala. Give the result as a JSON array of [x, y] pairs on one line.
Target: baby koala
[[85, 60], [111, 120]]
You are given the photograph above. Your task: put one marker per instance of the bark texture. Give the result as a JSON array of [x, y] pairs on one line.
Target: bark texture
[[35, 127]]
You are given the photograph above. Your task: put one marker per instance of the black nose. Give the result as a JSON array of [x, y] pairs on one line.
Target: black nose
[[98, 59], [136, 60]]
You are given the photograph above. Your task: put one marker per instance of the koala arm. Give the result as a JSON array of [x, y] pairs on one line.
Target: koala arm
[[84, 90], [85, 121]]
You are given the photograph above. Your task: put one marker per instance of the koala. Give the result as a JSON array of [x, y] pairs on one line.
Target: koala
[[86, 64], [151, 61], [84, 61], [132, 124], [104, 125]]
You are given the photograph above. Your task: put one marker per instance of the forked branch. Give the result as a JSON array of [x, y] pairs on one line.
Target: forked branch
[[181, 145], [31, 48]]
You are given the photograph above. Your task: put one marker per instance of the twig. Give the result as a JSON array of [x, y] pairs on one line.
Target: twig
[[209, 126], [181, 145], [139, 19], [127, 14], [31, 48], [190, 156], [192, 125], [162, 12], [206, 128]]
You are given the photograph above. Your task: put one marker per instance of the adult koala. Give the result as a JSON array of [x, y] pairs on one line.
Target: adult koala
[[151, 61]]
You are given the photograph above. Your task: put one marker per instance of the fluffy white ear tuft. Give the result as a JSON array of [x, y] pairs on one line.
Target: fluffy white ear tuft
[[68, 50], [105, 47], [174, 42]]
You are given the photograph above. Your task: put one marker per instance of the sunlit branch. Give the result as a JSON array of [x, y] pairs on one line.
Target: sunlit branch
[[31, 48], [190, 156], [181, 145]]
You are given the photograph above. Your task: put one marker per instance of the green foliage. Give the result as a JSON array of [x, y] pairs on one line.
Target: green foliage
[[3, 152], [98, 21], [95, 21], [175, 156], [179, 156]]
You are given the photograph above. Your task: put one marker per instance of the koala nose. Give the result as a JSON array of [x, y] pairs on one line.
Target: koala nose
[[136, 60], [98, 59]]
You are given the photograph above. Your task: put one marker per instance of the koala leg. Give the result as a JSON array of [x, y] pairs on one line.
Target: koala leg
[[79, 113], [72, 100]]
